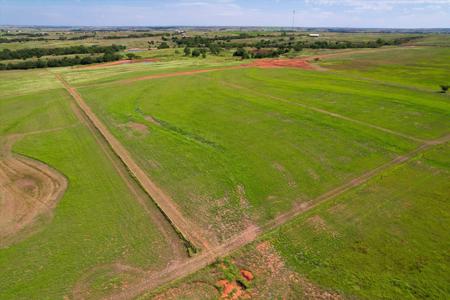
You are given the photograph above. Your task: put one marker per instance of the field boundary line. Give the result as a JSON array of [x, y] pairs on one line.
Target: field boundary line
[[157, 279], [188, 231], [181, 73], [326, 112]]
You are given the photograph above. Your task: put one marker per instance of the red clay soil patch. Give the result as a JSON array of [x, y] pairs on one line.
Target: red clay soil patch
[[282, 63], [232, 290], [247, 275], [118, 62]]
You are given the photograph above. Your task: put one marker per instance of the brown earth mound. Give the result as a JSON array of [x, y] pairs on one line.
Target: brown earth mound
[[29, 190]]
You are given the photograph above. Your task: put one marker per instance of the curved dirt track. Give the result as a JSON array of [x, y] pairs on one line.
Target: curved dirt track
[[29, 190]]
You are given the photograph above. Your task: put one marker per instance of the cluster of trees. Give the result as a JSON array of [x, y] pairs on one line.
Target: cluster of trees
[[163, 45], [202, 41], [259, 53], [62, 62], [134, 36], [39, 52], [282, 45], [19, 40], [76, 38], [196, 52]]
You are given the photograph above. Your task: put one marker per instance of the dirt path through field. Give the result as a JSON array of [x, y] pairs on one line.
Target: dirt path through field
[[190, 231], [182, 73], [116, 63], [155, 279], [29, 190], [178, 249]]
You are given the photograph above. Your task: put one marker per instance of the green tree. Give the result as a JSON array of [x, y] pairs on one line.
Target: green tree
[[163, 45], [187, 51], [131, 56], [196, 53]]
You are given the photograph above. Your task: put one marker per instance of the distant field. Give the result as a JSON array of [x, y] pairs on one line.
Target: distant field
[[427, 67], [79, 76], [20, 82], [97, 222], [416, 113]]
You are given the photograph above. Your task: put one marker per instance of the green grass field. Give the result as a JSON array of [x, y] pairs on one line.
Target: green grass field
[[213, 142], [235, 148], [422, 67], [385, 240], [97, 222]]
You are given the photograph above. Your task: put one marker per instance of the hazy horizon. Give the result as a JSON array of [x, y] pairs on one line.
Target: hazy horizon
[[390, 14]]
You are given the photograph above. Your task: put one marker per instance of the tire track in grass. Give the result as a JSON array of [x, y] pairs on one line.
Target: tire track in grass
[[193, 236], [323, 111], [157, 279]]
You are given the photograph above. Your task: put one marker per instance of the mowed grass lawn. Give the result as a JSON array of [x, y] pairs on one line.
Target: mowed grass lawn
[[387, 239], [229, 156], [97, 222]]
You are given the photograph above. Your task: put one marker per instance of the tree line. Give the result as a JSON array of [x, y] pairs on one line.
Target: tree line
[[61, 62], [28, 34], [281, 44], [7, 54]]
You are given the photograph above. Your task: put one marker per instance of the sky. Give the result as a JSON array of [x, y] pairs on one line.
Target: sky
[[308, 13]]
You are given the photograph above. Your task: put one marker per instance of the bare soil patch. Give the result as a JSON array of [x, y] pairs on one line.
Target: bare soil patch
[[136, 127], [275, 280], [319, 225], [29, 190], [283, 63], [190, 291], [152, 120]]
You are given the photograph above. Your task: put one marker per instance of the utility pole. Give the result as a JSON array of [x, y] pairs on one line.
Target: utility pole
[[293, 19]]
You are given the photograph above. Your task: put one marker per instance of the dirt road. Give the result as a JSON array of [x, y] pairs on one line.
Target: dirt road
[[187, 229], [155, 279]]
